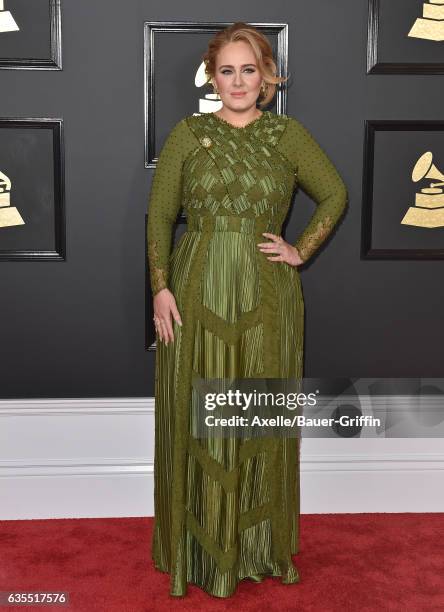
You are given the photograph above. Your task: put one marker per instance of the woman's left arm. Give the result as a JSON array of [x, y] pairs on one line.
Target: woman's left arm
[[319, 179]]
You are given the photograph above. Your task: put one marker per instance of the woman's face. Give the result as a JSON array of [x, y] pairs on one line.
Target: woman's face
[[237, 77]]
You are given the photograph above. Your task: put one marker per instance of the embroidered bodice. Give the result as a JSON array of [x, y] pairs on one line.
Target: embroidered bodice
[[210, 167]]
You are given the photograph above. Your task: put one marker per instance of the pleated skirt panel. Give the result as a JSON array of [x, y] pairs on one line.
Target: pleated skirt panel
[[226, 508]]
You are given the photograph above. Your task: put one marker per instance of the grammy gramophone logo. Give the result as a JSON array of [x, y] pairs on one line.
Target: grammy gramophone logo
[[212, 101], [9, 215], [431, 25], [429, 201], [7, 21]]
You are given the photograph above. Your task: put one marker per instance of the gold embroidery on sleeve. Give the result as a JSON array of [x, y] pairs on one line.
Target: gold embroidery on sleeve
[[308, 245], [158, 275]]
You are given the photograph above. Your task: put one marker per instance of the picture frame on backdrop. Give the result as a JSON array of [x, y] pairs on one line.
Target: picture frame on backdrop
[[403, 190], [32, 190], [175, 87], [405, 37], [30, 35]]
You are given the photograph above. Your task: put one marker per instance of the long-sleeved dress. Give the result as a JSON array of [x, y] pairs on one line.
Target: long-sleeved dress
[[227, 509]]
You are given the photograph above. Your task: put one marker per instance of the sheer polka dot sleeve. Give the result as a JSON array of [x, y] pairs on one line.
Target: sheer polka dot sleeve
[[163, 206], [319, 179]]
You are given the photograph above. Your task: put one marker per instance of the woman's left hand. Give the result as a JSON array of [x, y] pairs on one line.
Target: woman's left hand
[[285, 251]]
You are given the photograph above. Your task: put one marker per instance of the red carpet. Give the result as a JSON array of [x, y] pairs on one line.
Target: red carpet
[[347, 562]]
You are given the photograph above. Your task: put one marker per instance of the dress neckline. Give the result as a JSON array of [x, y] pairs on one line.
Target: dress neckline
[[239, 127]]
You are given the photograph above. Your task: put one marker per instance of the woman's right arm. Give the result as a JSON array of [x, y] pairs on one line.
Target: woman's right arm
[[163, 207], [164, 203]]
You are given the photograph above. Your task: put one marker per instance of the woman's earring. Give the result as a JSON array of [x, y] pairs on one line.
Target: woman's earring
[[263, 87], [214, 87]]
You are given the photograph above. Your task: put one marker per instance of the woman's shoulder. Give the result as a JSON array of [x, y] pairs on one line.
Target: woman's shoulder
[[294, 127], [180, 139], [287, 120], [179, 126], [282, 126], [180, 132], [189, 125]]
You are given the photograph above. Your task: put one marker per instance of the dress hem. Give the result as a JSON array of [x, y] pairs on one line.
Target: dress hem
[[253, 578]]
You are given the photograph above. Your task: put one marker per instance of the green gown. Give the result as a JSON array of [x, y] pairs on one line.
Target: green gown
[[228, 509]]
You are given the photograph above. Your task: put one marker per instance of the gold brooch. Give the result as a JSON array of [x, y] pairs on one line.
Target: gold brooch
[[206, 141]]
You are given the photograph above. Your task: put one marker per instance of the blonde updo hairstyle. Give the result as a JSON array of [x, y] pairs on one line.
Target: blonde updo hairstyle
[[261, 48]]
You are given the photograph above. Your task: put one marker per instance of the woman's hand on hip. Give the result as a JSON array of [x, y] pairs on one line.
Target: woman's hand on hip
[[165, 306], [284, 251]]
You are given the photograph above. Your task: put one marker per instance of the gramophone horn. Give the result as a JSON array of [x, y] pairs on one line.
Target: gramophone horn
[[422, 166], [425, 169]]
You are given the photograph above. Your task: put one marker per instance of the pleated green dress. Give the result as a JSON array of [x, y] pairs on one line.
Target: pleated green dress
[[228, 509]]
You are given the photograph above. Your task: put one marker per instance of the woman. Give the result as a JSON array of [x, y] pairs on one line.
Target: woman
[[228, 304]]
